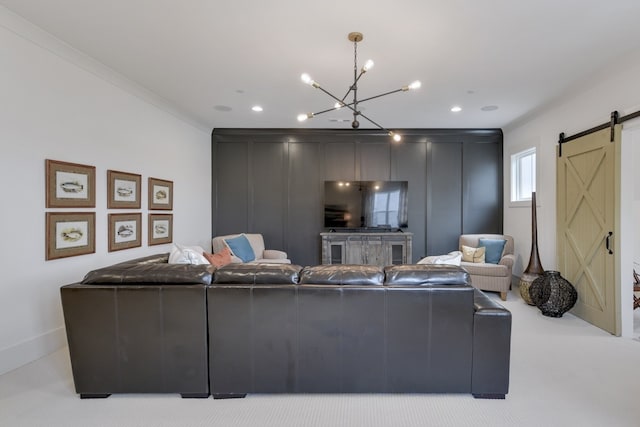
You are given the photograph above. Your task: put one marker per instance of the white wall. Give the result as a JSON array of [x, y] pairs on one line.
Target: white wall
[[590, 104], [636, 197], [54, 108]]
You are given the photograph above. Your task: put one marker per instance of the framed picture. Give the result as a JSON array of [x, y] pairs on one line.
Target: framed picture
[[123, 190], [70, 234], [70, 185], [124, 231], [160, 229], [160, 194]]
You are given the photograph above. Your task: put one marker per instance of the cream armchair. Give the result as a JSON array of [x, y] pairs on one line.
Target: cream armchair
[[256, 241], [486, 276]]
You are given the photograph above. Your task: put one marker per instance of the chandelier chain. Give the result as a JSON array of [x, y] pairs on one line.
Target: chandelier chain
[[354, 88], [355, 60]]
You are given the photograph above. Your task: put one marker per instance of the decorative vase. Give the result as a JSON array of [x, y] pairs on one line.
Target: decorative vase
[[534, 268], [553, 294], [525, 283]]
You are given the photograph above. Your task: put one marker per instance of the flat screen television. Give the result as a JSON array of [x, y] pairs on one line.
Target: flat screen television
[[366, 204]]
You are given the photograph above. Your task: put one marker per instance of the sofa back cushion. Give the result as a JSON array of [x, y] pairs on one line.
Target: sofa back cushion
[[147, 273], [258, 274], [342, 274], [425, 274]]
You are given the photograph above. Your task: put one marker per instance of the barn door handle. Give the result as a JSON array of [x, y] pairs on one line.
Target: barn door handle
[[608, 237]]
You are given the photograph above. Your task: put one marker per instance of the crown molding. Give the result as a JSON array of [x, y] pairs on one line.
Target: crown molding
[[39, 37]]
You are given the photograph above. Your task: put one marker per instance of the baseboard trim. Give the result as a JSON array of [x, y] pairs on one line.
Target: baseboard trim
[[33, 349]]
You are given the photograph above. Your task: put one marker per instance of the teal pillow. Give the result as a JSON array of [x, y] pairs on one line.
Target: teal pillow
[[493, 251], [241, 248]]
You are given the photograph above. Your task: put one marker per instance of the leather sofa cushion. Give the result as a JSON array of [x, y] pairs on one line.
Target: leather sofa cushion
[[151, 273], [257, 274], [150, 259], [425, 274], [342, 274]]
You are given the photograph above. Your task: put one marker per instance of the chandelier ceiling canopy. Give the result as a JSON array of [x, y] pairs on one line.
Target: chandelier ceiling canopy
[[354, 37]]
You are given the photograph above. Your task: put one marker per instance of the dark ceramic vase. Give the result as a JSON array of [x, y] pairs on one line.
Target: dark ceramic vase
[[553, 294], [534, 268]]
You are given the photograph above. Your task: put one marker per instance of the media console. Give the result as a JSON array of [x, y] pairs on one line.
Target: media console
[[366, 247]]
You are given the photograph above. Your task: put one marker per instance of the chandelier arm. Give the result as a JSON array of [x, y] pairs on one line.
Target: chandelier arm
[[324, 111], [349, 106], [381, 95], [352, 86], [367, 99], [346, 94], [374, 123]]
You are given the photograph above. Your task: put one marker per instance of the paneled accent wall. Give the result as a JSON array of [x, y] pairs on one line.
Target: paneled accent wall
[[271, 181]]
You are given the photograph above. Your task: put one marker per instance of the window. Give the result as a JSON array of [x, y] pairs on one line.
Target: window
[[523, 175]]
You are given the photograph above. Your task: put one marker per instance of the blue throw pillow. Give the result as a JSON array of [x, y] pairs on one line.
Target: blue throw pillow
[[494, 248], [241, 248]]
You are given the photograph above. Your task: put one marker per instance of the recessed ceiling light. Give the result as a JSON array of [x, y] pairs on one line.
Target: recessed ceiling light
[[456, 109], [256, 108], [489, 108]]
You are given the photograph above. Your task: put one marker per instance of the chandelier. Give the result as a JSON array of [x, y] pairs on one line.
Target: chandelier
[[354, 37]]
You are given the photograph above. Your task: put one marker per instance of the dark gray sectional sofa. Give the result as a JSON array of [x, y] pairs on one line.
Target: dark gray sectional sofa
[[139, 327], [150, 327]]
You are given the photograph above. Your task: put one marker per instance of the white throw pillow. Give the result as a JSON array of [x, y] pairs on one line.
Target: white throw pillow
[[452, 258], [187, 255]]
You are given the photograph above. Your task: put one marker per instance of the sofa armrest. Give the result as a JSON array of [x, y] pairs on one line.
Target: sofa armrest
[[508, 260], [274, 254], [491, 348]]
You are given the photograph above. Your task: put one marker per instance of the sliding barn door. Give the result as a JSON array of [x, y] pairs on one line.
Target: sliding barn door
[[586, 224]]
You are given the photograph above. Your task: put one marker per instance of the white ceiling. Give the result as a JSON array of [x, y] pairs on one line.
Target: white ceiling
[[201, 55]]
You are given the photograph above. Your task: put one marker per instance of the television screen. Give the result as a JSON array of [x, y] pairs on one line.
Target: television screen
[[365, 204]]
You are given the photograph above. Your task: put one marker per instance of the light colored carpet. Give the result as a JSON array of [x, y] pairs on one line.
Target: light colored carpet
[[564, 372]]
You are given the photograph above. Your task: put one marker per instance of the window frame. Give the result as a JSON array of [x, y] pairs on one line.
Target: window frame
[[515, 162]]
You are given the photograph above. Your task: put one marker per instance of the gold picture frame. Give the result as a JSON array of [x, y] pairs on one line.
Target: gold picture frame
[[160, 194], [160, 229], [70, 234], [125, 231], [70, 185], [123, 190]]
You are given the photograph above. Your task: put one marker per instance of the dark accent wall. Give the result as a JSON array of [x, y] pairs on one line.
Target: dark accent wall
[[271, 181]]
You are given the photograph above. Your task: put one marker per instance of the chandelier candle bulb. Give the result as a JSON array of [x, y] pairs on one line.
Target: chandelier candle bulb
[[413, 86], [306, 78], [367, 66]]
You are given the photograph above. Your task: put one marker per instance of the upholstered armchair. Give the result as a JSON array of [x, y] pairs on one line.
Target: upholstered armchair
[[256, 242], [488, 276]]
